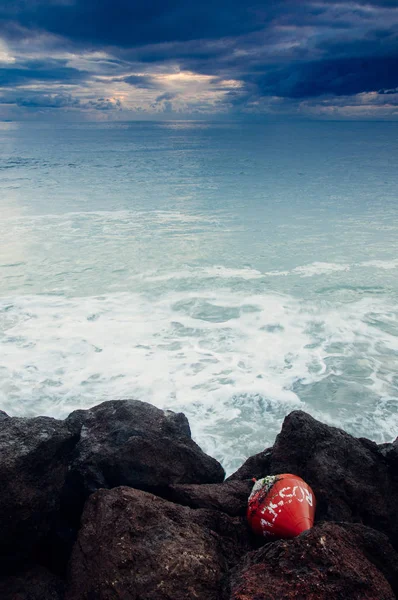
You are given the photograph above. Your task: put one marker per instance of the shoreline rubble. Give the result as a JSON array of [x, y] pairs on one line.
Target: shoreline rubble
[[118, 501]]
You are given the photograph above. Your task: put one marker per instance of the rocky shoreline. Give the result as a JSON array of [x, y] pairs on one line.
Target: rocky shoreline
[[118, 502]]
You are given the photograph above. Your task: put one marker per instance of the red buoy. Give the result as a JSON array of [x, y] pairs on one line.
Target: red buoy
[[281, 506]]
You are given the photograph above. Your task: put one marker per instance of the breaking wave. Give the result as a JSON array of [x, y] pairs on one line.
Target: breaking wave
[[235, 363]]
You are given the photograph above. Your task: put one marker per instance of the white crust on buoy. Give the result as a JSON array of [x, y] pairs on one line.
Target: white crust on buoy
[[267, 482]]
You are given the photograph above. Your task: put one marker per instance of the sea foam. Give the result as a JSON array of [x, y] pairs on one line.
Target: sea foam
[[234, 363]]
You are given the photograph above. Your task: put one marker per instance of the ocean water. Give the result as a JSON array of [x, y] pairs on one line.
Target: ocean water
[[231, 271]]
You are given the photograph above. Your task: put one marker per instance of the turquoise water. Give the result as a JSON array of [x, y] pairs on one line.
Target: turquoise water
[[232, 271]]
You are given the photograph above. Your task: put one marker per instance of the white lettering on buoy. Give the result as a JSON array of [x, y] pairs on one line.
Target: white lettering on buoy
[[283, 494], [266, 523], [287, 494], [308, 497]]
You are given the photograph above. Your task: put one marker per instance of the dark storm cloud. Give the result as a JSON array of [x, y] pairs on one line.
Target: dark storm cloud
[[37, 100], [342, 77], [167, 96], [102, 104], [141, 81], [164, 101], [126, 23], [274, 48], [28, 71]]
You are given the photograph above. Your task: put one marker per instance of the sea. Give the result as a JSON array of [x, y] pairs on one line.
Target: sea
[[232, 271]]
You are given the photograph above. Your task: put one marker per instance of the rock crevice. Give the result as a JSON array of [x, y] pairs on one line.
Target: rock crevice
[[119, 502]]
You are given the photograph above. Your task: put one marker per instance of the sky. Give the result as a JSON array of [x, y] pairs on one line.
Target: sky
[[165, 59]]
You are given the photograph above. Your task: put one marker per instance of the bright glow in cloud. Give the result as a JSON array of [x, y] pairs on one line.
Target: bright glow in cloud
[[5, 55]]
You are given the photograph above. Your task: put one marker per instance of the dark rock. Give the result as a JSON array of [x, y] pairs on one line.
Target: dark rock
[[390, 451], [49, 467], [127, 442], [135, 545], [229, 497], [233, 533], [328, 562], [34, 456], [256, 466], [351, 478], [377, 549], [35, 583]]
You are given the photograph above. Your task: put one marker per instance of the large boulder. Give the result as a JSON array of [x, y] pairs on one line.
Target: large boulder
[[350, 477], [127, 442], [353, 479], [49, 467], [135, 545], [328, 562], [34, 456]]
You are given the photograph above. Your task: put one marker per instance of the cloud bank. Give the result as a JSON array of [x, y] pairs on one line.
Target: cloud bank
[[117, 59]]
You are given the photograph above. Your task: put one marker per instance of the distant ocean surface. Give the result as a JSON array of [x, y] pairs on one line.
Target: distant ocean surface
[[231, 271]]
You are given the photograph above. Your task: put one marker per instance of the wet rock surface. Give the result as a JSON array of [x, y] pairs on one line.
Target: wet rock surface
[[159, 521], [158, 550], [229, 497], [329, 561], [352, 479], [34, 456], [133, 443], [49, 467]]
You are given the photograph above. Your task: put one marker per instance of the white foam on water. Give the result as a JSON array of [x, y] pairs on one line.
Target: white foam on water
[[381, 264], [161, 217], [325, 268], [276, 273], [320, 268], [216, 271], [230, 361], [219, 271]]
